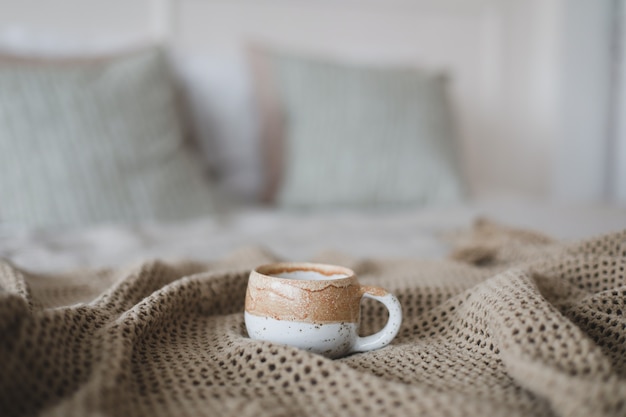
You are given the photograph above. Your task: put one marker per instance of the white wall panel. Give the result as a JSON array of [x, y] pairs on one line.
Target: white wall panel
[[581, 149], [618, 183], [85, 19]]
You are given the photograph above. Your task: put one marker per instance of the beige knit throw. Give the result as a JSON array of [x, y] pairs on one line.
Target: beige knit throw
[[516, 325]]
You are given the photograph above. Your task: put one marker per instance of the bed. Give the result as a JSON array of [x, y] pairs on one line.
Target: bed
[[126, 238]]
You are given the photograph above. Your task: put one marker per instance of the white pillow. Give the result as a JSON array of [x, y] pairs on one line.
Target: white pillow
[[224, 121]]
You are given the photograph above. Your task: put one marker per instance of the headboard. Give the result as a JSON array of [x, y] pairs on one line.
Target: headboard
[[503, 58]]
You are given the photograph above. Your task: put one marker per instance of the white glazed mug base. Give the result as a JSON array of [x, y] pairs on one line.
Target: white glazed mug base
[[332, 340]]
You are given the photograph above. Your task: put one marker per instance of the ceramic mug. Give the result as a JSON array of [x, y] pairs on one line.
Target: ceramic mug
[[315, 307]]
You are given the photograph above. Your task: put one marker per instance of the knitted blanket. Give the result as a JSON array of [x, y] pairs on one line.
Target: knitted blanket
[[514, 324]]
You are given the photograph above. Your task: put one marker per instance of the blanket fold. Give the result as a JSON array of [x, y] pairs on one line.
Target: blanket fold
[[514, 324]]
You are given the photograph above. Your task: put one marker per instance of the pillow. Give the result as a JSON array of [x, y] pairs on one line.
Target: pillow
[[216, 95], [91, 141], [360, 136], [223, 119]]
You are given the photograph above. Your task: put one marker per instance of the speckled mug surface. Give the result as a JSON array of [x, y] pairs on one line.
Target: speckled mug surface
[[315, 307]]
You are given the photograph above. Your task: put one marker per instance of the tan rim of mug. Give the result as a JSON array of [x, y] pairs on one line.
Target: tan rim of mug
[[330, 300]]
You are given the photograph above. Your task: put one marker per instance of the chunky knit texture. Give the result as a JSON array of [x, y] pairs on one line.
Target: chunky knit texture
[[516, 325]]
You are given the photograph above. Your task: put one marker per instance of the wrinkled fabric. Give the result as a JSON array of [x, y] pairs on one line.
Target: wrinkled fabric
[[515, 324]]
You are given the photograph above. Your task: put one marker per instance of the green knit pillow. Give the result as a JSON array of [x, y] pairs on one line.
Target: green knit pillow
[[94, 141], [358, 136]]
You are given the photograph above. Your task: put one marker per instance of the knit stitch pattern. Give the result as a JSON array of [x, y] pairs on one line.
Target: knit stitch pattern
[[515, 324]]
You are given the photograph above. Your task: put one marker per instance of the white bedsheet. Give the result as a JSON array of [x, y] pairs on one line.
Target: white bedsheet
[[294, 236]]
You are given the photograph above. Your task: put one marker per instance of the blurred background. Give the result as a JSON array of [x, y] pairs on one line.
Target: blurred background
[[535, 88], [297, 105]]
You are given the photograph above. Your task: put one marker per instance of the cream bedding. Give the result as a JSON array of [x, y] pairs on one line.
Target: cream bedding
[[293, 236]]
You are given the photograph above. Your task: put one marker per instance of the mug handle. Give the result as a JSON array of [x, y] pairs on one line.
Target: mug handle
[[386, 335]]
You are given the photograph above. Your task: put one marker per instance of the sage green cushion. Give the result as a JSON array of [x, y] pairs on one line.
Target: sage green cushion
[[358, 136], [85, 142]]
